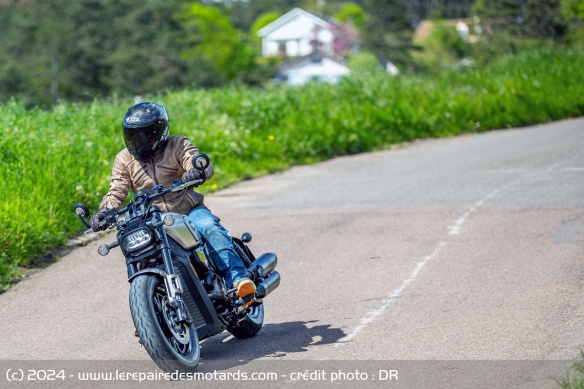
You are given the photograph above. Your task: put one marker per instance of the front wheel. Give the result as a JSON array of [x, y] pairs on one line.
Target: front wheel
[[250, 325], [171, 345]]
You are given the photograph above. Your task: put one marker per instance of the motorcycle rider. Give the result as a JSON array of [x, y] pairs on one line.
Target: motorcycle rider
[[153, 157]]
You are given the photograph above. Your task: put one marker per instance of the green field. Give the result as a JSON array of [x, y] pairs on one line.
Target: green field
[[53, 159]]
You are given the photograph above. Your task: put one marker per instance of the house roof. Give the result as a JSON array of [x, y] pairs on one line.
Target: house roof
[[321, 53], [287, 17]]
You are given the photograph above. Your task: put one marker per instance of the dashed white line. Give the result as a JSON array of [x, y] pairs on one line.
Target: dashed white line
[[394, 295], [454, 229]]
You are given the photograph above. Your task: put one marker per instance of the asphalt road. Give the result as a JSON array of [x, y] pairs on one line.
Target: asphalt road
[[441, 257]]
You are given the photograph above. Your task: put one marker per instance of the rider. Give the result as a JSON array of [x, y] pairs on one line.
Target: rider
[[153, 157]]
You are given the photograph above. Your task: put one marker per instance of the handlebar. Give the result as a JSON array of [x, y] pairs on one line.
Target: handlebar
[[175, 187], [200, 162]]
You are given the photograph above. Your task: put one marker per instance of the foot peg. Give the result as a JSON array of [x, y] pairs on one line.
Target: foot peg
[[245, 301]]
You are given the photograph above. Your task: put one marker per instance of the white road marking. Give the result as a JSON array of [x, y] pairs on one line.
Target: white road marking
[[394, 295], [454, 229], [457, 226]]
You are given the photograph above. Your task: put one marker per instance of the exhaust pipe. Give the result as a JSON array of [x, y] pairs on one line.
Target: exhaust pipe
[[268, 285], [264, 264], [262, 267]]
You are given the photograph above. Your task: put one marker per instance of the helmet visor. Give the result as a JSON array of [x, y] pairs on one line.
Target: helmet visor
[[137, 138]]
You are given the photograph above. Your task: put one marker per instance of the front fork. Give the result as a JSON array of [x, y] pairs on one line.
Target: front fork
[[172, 282]]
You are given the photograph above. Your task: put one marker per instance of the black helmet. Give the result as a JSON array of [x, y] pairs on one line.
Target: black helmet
[[145, 129]]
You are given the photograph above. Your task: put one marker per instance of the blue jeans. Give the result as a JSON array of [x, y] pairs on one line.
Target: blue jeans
[[219, 244]]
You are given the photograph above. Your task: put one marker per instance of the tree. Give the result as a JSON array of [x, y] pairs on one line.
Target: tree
[[57, 49], [244, 13], [388, 31], [145, 57], [262, 21], [538, 19], [574, 8], [544, 19], [37, 53], [364, 63], [502, 16], [352, 13], [212, 46]]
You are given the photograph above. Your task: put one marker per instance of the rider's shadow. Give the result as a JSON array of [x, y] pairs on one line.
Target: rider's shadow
[[273, 340]]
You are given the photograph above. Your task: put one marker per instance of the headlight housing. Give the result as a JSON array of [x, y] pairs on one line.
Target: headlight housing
[[137, 240]]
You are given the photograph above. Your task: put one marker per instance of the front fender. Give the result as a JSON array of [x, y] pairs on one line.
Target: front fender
[[171, 281], [158, 272]]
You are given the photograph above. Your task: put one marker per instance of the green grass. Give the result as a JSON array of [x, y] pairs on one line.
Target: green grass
[[575, 379], [53, 159]]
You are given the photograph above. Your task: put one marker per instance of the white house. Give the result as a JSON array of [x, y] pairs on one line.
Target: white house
[[296, 33], [316, 66]]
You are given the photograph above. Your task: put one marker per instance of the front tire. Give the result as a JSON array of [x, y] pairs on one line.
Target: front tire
[[171, 347], [250, 325]]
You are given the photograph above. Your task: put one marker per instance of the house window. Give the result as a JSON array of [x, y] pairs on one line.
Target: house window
[[282, 48], [316, 59]]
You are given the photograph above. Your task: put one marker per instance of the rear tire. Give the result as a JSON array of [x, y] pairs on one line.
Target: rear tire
[[251, 323], [172, 349]]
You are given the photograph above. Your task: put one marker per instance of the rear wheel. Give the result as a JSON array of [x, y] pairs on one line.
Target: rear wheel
[[172, 345], [251, 324]]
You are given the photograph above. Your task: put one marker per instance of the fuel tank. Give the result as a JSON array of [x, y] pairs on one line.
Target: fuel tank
[[182, 230]]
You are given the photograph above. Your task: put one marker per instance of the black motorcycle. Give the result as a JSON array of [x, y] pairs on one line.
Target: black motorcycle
[[177, 296]]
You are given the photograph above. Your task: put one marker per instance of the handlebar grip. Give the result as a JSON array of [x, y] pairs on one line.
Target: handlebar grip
[[186, 185]]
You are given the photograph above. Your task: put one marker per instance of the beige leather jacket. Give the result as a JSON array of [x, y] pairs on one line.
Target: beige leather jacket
[[165, 168]]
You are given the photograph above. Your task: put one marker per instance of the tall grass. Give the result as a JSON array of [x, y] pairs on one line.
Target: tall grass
[[53, 159]]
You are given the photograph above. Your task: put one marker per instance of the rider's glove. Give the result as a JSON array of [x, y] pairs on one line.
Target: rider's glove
[[192, 175], [95, 219]]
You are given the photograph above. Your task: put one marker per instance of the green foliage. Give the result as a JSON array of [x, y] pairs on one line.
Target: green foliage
[[539, 19], [57, 49], [352, 13], [501, 15], [545, 20], [499, 46], [140, 60], [364, 63], [388, 31], [574, 8], [245, 13], [211, 39], [574, 13], [575, 379], [442, 48], [262, 21], [52, 159], [445, 9]]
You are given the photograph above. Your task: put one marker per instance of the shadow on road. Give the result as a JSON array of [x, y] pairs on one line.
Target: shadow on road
[[273, 341]]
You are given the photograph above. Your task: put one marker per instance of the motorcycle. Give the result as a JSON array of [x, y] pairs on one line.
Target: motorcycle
[[177, 296]]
